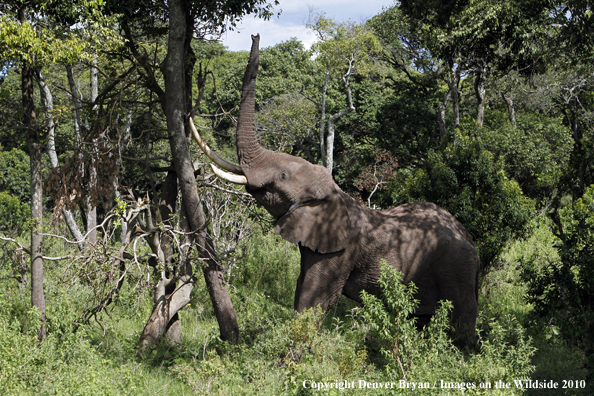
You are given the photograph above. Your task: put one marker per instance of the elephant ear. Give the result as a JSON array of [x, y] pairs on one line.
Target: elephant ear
[[323, 225]]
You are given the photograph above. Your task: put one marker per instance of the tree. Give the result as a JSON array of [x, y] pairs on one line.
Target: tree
[[185, 20], [478, 37], [343, 50]]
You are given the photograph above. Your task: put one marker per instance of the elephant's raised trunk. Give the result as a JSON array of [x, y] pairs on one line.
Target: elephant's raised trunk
[[249, 150]]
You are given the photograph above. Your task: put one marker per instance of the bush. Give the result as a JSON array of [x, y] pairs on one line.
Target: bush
[[429, 357], [65, 365], [535, 152], [270, 265], [14, 215], [465, 179], [15, 173], [562, 290]]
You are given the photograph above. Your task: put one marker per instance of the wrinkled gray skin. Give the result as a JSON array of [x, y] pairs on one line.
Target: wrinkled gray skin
[[342, 241]]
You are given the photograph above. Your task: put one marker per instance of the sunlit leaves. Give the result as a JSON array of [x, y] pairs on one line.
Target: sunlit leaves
[[339, 43], [41, 40]]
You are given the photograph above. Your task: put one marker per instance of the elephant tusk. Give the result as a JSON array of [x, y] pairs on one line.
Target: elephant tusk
[[211, 154], [230, 177]]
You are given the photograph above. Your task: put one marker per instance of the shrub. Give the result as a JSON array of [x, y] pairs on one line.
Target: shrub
[[14, 215], [15, 173], [562, 290], [429, 356], [465, 179], [270, 265]]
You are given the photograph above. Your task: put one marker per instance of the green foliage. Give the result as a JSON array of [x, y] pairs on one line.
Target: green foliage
[[429, 357], [503, 290], [535, 152], [269, 265], [48, 36], [344, 41], [465, 179], [289, 122], [561, 289], [64, 365], [14, 216], [15, 173]]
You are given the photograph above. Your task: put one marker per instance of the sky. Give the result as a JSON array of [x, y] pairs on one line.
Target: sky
[[293, 18]]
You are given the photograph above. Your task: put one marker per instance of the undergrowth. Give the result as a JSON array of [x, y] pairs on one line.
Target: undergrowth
[[282, 353]]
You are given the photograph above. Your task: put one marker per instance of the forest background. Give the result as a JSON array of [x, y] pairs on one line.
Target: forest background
[[109, 212]]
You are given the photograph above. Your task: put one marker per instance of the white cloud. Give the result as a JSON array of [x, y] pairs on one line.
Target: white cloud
[[293, 18], [271, 33]]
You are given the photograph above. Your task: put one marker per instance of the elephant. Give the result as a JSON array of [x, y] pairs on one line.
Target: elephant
[[342, 241]]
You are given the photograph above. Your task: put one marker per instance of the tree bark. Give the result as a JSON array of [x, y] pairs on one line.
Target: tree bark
[[322, 107], [480, 93], [48, 104], [329, 158], [174, 73], [89, 210], [509, 101], [454, 83], [442, 109], [91, 206], [34, 140]]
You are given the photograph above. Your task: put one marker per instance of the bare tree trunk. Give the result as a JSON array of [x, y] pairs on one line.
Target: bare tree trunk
[[90, 211], [454, 83], [480, 93], [167, 305], [91, 206], [509, 101], [174, 73], [442, 109], [322, 107], [329, 162], [48, 104], [34, 140]]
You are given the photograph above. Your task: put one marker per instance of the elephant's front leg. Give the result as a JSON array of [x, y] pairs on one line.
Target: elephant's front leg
[[321, 280]]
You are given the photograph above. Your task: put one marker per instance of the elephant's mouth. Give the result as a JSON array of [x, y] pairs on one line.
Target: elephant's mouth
[[270, 201]]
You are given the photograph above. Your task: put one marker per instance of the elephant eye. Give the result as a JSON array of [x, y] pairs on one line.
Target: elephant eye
[[283, 176]]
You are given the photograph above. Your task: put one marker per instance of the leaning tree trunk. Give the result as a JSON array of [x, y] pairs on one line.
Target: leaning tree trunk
[[48, 104], [172, 292], [174, 106]]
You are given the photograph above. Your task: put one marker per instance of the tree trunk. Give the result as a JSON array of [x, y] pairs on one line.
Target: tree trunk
[[173, 289], [323, 118], [91, 205], [89, 210], [454, 83], [480, 93], [509, 101], [34, 140], [332, 119], [173, 72], [48, 104], [442, 109]]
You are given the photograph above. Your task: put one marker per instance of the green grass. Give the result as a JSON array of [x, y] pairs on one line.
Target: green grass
[[280, 349]]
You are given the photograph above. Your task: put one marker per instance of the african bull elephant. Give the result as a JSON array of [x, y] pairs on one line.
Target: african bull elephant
[[342, 241]]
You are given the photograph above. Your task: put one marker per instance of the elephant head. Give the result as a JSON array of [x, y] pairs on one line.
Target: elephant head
[[302, 196]]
